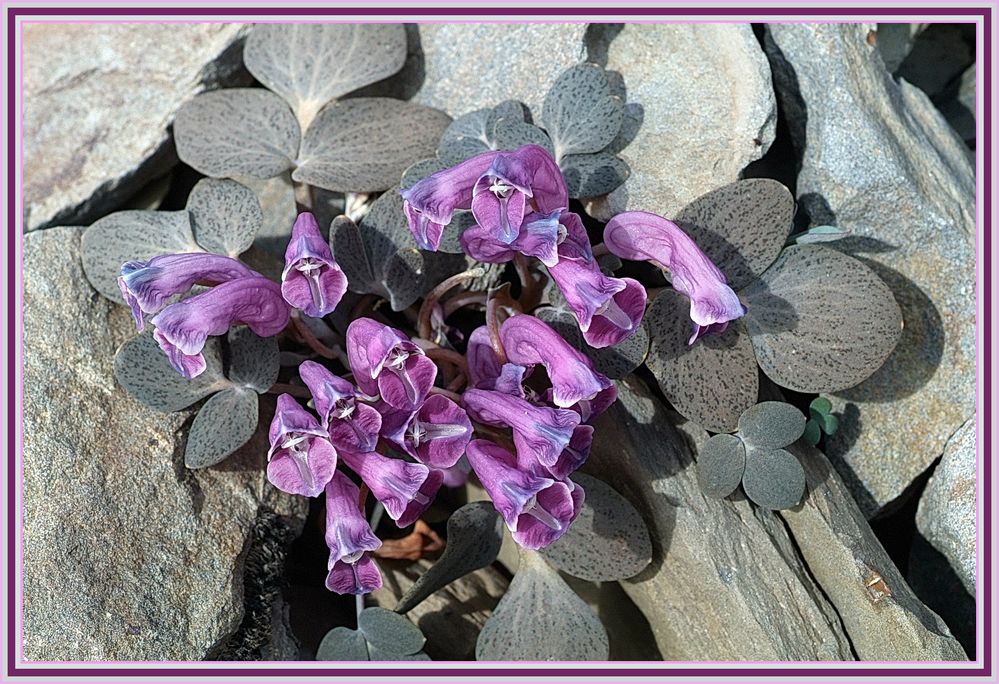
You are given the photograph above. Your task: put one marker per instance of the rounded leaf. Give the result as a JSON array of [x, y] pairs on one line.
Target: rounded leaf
[[141, 367], [590, 175], [608, 541], [474, 537], [820, 405], [254, 361], [771, 425], [710, 382], [510, 135], [225, 216], [341, 643], [364, 144], [420, 170], [774, 478], [820, 321], [130, 236], [812, 433], [741, 226], [310, 64], [541, 618], [225, 423], [465, 137], [580, 113], [389, 632], [237, 132], [378, 654], [720, 465]]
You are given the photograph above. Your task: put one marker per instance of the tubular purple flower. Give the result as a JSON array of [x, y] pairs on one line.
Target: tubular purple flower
[[528, 340], [301, 459], [538, 237], [537, 510], [539, 430], [588, 409], [435, 435], [147, 285], [386, 362], [430, 203], [350, 540], [485, 370], [641, 236], [569, 461], [607, 309], [405, 489], [311, 281], [352, 424], [183, 328]]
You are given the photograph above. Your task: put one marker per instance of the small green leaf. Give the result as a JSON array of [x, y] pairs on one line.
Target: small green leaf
[[225, 423], [225, 216], [141, 367], [254, 361], [720, 465], [343, 644], [812, 432], [389, 632], [820, 405], [829, 423], [820, 234]]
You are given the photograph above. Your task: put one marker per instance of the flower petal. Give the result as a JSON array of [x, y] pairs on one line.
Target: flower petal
[[361, 577], [619, 318], [405, 489], [406, 386], [509, 487], [549, 516], [348, 533], [311, 281], [304, 472], [538, 430]]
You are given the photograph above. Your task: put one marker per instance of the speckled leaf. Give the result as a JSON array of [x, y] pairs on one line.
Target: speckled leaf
[[608, 541], [590, 175], [343, 644], [720, 465], [820, 320], [404, 277], [774, 478], [615, 362], [771, 425], [580, 113], [128, 236], [348, 247], [420, 170], [310, 64], [509, 135], [254, 361], [377, 654], [507, 111], [225, 215], [710, 382], [541, 618], [141, 367], [389, 632], [364, 144], [742, 226], [451, 239], [465, 137], [474, 536], [225, 423], [237, 132]]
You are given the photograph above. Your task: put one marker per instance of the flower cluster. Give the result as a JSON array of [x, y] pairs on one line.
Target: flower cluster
[[520, 203]]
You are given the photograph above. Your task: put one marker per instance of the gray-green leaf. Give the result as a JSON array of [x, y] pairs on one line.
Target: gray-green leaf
[[141, 367], [774, 479], [225, 423], [344, 644], [541, 618], [254, 361], [474, 536], [237, 132], [389, 632], [225, 216], [580, 113], [608, 541], [590, 175], [720, 465], [364, 144], [771, 425]]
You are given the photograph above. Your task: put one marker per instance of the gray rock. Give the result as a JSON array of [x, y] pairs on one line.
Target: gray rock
[[894, 41], [879, 160], [938, 55], [726, 582], [703, 95], [450, 618], [98, 101], [882, 616], [947, 511], [128, 555], [463, 67], [960, 109]]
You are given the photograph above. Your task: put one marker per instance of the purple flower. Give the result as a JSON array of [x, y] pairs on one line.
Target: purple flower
[[405, 489], [641, 236], [352, 424], [588, 409], [183, 328], [311, 281], [538, 237], [485, 370], [301, 459], [350, 539], [538, 430], [435, 435], [430, 204], [573, 456], [147, 285], [528, 340], [537, 510], [386, 362], [457, 475]]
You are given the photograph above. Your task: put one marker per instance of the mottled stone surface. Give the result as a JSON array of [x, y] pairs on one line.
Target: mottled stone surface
[[947, 511], [128, 555], [726, 582], [704, 98], [879, 160], [882, 616], [98, 101], [463, 67]]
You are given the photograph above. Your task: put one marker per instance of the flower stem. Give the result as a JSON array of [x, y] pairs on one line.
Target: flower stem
[[424, 327], [465, 299], [492, 322], [448, 356], [310, 339], [458, 383]]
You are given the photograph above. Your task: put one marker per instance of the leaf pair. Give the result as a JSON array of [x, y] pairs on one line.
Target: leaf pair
[[380, 635], [354, 145], [820, 420], [817, 320], [229, 418]]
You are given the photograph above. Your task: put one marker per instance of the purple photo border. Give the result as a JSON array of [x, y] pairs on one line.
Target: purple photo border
[[183, 670]]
